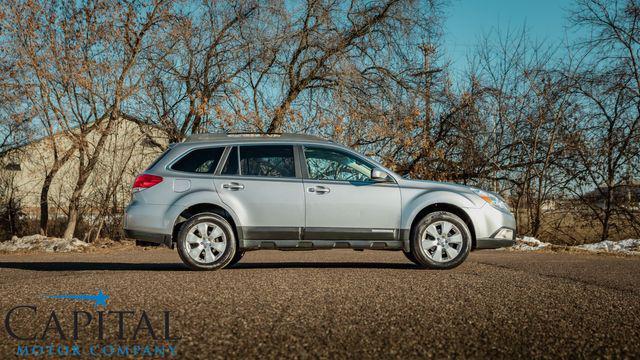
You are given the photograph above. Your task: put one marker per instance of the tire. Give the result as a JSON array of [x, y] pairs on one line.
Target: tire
[[236, 258], [410, 257], [217, 247], [440, 249]]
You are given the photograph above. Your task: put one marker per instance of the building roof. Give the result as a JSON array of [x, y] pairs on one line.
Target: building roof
[[28, 141]]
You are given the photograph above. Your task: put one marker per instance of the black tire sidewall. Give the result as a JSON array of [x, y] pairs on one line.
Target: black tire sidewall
[[229, 251], [410, 257], [429, 219], [236, 258]]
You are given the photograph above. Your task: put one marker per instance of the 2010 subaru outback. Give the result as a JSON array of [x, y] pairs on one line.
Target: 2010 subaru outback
[[216, 196]]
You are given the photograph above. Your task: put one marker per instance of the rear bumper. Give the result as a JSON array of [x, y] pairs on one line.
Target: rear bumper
[[149, 220], [148, 237]]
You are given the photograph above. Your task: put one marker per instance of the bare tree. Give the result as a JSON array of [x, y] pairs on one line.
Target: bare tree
[[82, 59], [28, 41], [528, 111], [607, 82], [191, 71], [321, 52]]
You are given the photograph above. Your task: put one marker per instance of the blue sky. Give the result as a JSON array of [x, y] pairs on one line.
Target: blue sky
[[467, 20]]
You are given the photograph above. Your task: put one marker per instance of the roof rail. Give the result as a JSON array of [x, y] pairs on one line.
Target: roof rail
[[256, 135]]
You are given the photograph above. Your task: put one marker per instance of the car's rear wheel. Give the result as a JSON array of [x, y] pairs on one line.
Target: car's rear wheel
[[440, 240], [206, 242]]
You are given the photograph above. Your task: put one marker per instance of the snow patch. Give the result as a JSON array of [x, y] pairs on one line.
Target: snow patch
[[528, 243], [42, 243], [624, 246], [629, 246]]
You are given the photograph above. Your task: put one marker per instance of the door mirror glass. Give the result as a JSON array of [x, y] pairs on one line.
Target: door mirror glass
[[379, 175]]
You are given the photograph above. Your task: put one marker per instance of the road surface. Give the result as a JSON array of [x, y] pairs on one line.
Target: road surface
[[336, 304]]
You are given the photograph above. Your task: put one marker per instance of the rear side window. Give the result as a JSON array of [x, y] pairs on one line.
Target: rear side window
[[267, 160], [199, 161]]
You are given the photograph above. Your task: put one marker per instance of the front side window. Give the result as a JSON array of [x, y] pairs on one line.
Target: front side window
[[329, 164], [199, 161], [267, 160]]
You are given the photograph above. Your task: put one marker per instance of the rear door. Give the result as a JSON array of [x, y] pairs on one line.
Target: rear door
[[343, 202], [263, 186]]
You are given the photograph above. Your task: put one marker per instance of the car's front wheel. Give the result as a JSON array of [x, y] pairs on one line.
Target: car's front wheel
[[206, 242], [440, 240], [238, 256], [410, 257]]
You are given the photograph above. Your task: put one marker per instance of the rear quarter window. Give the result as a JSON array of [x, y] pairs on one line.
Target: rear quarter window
[[202, 161]]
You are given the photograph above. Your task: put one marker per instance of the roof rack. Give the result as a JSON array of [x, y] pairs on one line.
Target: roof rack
[[254, 135]]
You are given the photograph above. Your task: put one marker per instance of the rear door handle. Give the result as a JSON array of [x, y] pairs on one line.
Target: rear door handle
[[233, 186], [319, 190]]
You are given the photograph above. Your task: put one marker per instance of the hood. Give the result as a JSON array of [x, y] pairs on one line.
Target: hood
[[426, 186]]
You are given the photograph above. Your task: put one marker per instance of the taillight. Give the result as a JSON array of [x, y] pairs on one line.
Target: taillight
[[146, 181]]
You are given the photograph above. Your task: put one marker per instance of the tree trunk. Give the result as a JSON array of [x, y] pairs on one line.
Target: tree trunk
[[44, 202], [606, 221], [278, 119], [536, 221], [605, 227], [74, 205], [281, 111], [72, 222], [84, 172], [46, 185]]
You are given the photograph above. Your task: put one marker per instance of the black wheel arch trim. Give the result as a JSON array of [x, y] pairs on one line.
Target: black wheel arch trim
[[456, 210]]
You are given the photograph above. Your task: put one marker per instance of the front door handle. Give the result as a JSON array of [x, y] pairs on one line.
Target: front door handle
[[319, 190], [233, 186]]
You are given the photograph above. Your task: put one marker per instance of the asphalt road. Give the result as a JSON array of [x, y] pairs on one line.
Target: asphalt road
[[338, 304]]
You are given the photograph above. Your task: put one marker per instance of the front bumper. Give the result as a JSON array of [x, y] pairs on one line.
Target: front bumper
[[503, 237], [493, 243], [490, 224]]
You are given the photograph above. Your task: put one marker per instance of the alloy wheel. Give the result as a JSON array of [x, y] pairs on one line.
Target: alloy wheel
[[441, 241], [206, 242]]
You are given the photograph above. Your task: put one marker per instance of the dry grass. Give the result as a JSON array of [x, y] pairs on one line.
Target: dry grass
[[571, 227]]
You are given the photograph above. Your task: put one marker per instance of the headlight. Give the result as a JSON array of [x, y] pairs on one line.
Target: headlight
[[495, 201]]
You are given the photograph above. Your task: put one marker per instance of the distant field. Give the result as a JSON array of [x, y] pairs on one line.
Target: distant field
[[566, 227]]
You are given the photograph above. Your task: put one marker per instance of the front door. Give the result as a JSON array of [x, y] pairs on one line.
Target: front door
[[261, 184], [343, 202]]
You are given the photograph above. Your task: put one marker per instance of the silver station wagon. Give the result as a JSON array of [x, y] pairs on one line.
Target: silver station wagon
[[216, 196]]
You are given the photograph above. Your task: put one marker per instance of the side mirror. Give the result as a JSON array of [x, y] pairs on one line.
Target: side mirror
[[378, 175]]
